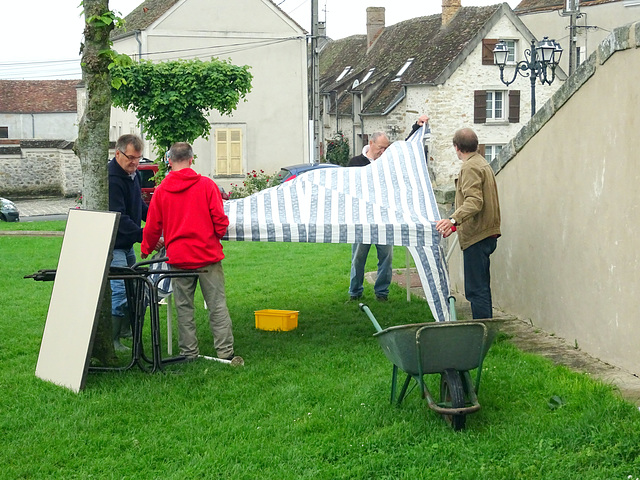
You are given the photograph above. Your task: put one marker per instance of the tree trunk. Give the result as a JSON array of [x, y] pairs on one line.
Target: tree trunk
[[92, 146]]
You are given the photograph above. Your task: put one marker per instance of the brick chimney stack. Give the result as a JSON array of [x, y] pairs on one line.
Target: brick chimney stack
[[449, 10], [375, 24]]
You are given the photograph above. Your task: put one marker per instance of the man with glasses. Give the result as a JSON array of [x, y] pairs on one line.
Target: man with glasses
[[359, 251], [125, 196]]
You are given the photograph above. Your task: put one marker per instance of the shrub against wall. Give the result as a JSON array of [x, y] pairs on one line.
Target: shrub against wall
[[255, 182], [338, 150]]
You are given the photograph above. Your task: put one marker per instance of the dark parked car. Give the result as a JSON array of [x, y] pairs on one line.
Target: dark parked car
[[147, 170], [289, 173], [8, 211]]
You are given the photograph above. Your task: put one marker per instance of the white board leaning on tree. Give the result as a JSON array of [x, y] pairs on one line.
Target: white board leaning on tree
[[77, 294]]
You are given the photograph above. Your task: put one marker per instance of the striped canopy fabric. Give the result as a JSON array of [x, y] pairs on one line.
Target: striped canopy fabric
[[388, 202]]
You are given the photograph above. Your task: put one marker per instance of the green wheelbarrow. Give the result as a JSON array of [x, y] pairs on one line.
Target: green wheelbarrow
[[451, 349]]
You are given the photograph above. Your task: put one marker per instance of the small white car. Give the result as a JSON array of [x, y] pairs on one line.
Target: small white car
[[8, 211]]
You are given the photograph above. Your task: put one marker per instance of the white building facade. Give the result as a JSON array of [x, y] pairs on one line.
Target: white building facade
[[269, 129]]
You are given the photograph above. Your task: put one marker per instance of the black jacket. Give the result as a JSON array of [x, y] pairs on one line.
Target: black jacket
[[414, 127], [125, 197], [359, 161]]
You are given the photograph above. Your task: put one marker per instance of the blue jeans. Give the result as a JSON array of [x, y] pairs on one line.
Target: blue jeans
[[477, 277], [121, 258], [359, 253]]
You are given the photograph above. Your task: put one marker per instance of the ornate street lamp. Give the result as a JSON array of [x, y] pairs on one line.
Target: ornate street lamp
[[540, 59]]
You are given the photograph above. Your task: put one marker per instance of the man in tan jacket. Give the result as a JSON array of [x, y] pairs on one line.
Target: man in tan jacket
[[476, 219]]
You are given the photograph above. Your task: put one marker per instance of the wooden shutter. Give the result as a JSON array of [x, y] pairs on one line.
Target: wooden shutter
[[479, 106], [235, 151], [488, 45], [222, 153], [514, 106], [481, 149]]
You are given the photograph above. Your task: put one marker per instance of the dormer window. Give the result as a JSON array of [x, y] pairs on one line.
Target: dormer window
[[344, 73], [368, 75], [402, 70]]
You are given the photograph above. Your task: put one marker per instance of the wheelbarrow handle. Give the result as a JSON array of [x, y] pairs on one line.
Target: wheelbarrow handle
[[366, 310], [149, 262], [452, 308]]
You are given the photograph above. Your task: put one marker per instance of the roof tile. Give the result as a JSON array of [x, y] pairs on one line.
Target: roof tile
[[433, 49], [38, 96], [531, 6]]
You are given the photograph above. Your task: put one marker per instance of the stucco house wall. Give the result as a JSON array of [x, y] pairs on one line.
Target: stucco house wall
[[62, 125], [568, 257], [274, 118]]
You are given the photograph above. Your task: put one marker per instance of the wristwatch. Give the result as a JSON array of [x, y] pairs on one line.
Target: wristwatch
[[453, 221]]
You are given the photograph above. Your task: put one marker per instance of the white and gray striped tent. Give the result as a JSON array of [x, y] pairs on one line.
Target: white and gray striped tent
[[388, 202]]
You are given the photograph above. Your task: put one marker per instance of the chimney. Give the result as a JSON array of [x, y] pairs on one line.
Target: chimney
[[449, 10], [375, 24], [322, 29]]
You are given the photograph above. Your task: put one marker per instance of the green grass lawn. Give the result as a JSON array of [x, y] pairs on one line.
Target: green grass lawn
[[54, 226], [309, 403]]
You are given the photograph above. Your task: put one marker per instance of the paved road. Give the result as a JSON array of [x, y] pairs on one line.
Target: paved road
[[45, 208]]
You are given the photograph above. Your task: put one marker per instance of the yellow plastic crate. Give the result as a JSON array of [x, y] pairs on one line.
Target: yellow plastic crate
[[270, 319]]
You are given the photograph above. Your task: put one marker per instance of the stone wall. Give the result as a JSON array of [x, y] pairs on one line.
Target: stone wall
[[39, 167], [568, 257]]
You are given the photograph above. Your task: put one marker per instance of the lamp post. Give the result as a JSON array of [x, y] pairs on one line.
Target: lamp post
[[539, 59]]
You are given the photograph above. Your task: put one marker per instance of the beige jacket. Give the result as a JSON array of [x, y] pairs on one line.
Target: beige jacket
[[477, 213]]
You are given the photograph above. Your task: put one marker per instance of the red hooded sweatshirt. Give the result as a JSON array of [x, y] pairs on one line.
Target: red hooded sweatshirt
[[187, 207]]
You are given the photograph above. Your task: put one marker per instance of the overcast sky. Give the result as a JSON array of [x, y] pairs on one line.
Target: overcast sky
[[40, 38]]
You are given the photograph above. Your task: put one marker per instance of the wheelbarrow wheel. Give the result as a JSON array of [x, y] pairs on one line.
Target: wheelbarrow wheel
[[452, 395]]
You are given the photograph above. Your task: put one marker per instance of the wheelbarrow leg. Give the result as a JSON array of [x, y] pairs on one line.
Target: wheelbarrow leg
[[394, 379], [403, 391]]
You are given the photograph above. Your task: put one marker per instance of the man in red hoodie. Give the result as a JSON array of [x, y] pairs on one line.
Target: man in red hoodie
[[187, 208]]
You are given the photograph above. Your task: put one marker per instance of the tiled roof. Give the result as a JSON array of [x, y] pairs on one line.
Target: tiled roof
[[38, 96], [144, 15], [531, 6], [149, 11], [435, 51]]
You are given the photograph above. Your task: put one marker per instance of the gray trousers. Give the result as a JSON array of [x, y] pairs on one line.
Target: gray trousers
[[212, 286]]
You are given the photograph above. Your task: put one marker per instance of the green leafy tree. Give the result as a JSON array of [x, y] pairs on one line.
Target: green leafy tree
[[338, 150], [172, 99]]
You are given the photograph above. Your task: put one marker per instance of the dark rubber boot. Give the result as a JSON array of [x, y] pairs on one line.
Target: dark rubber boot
[[116, 323], [125, 324]]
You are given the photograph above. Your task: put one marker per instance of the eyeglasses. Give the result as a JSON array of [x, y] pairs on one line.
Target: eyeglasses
[[130, 157]]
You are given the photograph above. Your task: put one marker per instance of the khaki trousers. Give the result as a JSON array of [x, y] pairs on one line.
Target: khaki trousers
[[212, 286]]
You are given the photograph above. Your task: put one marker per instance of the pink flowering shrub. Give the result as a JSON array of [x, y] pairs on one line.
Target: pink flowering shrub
[[255, 182]]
